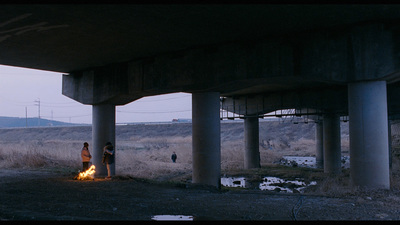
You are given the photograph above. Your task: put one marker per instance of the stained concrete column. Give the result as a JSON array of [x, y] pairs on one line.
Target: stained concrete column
[[368, 128], [103, 130], [319, 144], [251, 143], [206, 139], [331, 138], [390, 144]]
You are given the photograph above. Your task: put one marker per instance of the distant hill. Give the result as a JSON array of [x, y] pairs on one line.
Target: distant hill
[[10, 122]]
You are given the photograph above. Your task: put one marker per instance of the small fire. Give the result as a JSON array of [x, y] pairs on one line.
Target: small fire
[[88, 174]]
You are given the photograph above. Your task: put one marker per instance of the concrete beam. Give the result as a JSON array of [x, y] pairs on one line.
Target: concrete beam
[[362, 52], [310, 101], [206, 140], [318, 59], [113, 84]]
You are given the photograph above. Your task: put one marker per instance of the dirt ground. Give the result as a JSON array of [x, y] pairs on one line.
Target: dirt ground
[[45, 195]]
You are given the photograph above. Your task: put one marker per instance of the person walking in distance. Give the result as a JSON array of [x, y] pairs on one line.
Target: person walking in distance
[[108, 157], [85, 154], [173, 157]]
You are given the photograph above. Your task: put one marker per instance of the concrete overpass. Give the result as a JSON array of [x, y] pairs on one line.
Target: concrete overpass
[[331, 59]]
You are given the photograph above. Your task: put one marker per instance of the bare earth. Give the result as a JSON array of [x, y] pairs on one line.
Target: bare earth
[[43, 195]]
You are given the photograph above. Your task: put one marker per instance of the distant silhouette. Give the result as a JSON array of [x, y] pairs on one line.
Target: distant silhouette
[[173, 157]]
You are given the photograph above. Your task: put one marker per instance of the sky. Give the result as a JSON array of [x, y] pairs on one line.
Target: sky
[[22, 89]]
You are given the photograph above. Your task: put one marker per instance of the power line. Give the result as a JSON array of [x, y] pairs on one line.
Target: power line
[[60, 117], [158, 100], [52, 106], [40, 104], [153, 112]]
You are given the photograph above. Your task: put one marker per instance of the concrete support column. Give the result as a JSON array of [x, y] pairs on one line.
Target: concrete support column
[[368, 128], [206, 139], [251, 143], [390, 144], [332, 143], [319, 144], [103, 130]]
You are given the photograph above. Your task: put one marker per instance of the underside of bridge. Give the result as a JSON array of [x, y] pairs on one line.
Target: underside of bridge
[[325, 61]]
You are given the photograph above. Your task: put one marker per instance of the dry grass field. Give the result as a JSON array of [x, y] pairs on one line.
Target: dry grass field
[[144, 150]]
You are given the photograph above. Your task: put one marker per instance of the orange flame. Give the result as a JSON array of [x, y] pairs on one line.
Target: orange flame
[[88, 174]]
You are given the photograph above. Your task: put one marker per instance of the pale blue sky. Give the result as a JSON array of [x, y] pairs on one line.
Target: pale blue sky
[[21, 89]]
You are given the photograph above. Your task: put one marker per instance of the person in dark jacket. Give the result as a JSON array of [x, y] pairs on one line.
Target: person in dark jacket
[[108, 157], [173, 157]]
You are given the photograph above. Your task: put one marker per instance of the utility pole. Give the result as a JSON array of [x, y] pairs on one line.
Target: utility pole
[[26, 116], [37, 102]]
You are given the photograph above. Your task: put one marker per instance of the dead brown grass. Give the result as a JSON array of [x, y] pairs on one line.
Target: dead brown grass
[[34, 154], [149, 157]]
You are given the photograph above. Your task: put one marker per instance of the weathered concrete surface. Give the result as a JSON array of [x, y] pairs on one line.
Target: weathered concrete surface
[[313, 60], [67, 38], [368, 128], [206, 139], [332, 147], [251, 143], [319, 144], [103, 131]]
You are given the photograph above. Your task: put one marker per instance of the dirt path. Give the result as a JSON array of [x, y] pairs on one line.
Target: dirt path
[[41, 195]]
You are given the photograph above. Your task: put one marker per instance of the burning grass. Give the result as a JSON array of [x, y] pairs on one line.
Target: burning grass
[[86, 175]]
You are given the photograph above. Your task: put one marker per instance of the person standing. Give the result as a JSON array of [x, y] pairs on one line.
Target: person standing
[[108, 157], [173, 157], [85, 154]]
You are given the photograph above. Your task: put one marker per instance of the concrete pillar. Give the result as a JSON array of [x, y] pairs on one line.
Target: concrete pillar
[[103, 130], [251, 143], [332, 143], [319, 144], [206, 139], [390, 144], [368, 128]]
